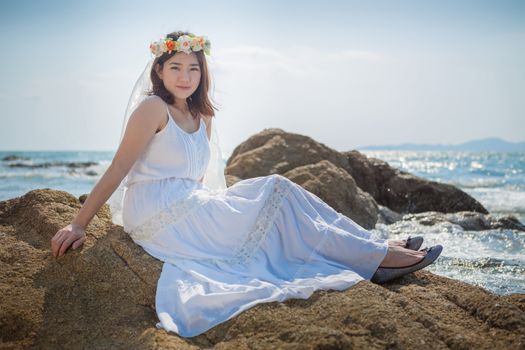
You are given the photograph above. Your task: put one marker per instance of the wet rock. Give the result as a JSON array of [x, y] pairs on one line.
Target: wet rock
[[71, 165], [469, 221], [403, 192], [387, 216], [12, 157]]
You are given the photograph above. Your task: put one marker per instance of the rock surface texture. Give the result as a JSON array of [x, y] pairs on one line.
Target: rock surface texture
[[102, 295]]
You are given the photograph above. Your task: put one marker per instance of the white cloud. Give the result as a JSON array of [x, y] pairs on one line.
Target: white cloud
[[300, 60]]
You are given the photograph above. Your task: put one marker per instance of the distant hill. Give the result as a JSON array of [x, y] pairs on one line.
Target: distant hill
[[493, 144]]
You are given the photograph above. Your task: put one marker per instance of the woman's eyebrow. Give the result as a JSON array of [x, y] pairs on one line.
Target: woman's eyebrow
[[179, 64]]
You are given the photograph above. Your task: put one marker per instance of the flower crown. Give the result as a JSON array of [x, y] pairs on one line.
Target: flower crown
[[185, 43]]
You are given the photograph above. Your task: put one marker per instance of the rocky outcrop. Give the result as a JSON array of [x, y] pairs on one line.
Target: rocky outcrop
[[102, 295], [403, 192], [276, 151], [12, 157], [53, 164], [469, 221]]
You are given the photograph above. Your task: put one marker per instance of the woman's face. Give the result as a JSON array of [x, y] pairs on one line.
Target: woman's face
[[181, 74]]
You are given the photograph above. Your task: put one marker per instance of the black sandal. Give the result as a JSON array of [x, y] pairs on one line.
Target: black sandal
[[414, 243], [385, 274]]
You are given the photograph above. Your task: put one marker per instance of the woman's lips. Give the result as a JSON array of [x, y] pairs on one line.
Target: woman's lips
[[184, 87]]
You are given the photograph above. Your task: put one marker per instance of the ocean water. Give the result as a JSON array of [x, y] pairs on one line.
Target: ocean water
[[493, 259]]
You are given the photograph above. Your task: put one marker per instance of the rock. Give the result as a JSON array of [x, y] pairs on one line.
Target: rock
[[102, 296], [321, 178], [12, 157], [471, 221], [231, 179], [83, 198], [274, 151], [387, 216], [403, 192], [53, 164], [306, 162]]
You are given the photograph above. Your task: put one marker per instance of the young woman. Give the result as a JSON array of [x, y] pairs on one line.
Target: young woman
[[225, 249]]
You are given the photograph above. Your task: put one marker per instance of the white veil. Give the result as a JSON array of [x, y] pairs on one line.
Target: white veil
[[214, 176]]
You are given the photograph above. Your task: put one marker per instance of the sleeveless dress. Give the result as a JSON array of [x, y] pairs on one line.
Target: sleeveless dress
[[260, 240]]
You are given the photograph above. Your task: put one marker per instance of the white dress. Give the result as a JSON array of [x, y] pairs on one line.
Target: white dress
[[263, 239]]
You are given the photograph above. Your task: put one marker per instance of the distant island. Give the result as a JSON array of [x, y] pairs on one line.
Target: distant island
[[493, 144]]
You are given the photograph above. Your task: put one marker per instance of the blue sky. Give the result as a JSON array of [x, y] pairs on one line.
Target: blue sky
[[346, 73]]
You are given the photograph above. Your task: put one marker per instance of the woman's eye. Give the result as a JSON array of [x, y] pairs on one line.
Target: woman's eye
[[195, 69]]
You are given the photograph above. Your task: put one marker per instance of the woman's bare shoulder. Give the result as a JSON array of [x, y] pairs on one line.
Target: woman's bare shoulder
[[152, 108], [154, 101]]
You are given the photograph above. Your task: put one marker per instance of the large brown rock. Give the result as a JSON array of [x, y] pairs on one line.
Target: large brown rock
[[323, 177], [102, 296], [403, 192], [274, 151], [308, 163]]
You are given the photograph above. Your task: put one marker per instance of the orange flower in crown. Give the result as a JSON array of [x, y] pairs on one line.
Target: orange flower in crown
[[171, 45], [185, 43]]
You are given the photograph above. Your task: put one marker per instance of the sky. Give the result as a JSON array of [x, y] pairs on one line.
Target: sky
[[348, 74]]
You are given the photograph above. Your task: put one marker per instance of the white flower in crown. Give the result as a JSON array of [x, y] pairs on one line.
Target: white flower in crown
[[184, 42], [197, 43], [206, 45], [155, 48]]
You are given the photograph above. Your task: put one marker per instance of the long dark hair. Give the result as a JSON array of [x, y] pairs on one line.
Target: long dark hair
[[199, 102]]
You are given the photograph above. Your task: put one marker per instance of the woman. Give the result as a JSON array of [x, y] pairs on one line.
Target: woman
[[225, 249]]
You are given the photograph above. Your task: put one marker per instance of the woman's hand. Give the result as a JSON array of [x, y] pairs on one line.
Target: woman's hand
[[71, 234]]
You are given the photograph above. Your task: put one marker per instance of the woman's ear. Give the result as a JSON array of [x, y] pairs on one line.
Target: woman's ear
[[158, 70]]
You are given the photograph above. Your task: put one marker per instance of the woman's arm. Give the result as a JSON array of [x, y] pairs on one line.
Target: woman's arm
[[143, 123]]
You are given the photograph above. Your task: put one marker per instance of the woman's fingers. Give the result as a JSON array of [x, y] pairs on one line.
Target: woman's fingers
[[78, 242], [65, 244], [65, 238], [56, 241]]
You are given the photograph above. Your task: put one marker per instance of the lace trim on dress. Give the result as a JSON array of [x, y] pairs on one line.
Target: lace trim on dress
[[169, 216], [264, 220]]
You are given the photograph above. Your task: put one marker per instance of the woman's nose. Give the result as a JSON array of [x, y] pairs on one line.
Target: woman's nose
[[184, 76]]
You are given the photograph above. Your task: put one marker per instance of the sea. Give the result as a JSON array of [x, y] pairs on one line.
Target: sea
[[492, 259]]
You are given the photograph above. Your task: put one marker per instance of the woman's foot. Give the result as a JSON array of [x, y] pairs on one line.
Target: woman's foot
[[398, 256], [413, 243], [385, 274], [397, 242]]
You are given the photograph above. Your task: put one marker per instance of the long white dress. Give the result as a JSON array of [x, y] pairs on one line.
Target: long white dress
[[263, 239]]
